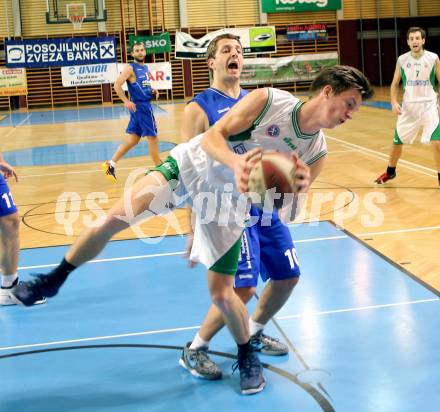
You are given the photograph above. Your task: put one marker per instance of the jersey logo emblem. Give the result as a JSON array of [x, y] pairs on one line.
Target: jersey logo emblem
[[273, 130], [239, 148]]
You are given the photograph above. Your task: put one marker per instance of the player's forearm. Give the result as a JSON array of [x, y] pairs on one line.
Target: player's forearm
[[214, 144], [120, 92], [394, 92], [190, 227]]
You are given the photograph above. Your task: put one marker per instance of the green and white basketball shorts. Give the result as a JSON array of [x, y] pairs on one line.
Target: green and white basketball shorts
[[216, 244], [417, 115]]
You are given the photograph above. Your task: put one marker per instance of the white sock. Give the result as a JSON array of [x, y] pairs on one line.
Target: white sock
[[112, 163], [254, 327], [198, 342], [8, 280]]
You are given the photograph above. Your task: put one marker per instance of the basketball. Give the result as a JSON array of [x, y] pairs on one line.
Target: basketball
[[272, 177]]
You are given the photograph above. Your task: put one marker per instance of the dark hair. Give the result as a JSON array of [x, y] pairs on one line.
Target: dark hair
[[414, 30], [212, 47], [342, 78]]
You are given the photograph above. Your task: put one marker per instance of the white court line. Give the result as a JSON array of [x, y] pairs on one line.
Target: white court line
[[342, 151], [316, 239], [319, 239], [85, 171], [159, 331], [382, 156], [49, 265], [77, 172], [390, 232], [331, 312], [378, 155], [14, 128], [124, 335]]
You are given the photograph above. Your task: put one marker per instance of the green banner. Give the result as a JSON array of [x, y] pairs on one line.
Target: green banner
[[159, 43], [277, 6], [301, 67]]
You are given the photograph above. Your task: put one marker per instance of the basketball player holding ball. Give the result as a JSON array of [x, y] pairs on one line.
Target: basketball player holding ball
[[266, 245], [209, 163]]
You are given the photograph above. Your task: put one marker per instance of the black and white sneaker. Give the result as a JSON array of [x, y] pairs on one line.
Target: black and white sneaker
[[198, 363], [42, 286], [268, 345], [7, 299]]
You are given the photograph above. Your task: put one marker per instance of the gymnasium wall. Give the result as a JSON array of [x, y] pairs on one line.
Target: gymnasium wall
[[126, 17], [379, 27]]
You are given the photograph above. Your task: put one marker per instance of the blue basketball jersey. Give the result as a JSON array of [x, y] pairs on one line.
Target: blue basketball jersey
[[215, 103], [140, 91]]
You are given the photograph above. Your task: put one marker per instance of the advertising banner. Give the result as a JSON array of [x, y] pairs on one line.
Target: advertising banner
[[159, 43], [12, 82], [253, 39], [60, 52], [307, 32], [286, 69], [277, 6], [161, 77], [87, 75]]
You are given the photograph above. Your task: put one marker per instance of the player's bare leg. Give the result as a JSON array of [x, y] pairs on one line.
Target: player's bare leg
[[395, 153], [130, 141], [109, 166], [153, 147], [127, 211], [214, 321], [436, 147], [273, 298]]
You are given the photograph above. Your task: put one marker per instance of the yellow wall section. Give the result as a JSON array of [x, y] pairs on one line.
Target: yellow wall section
[[369, 9], [204, 13]]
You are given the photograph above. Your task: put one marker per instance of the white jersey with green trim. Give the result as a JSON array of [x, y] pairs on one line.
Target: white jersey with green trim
[[418, 76], [208, 181]]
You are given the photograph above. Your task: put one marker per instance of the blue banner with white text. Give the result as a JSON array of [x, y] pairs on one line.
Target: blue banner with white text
[[60, 52]]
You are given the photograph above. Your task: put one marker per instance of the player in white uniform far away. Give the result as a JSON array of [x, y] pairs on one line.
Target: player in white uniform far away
[[418, 69]]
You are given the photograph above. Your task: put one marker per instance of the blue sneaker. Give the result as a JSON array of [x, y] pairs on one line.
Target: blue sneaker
[[43, 286], [251, 373]]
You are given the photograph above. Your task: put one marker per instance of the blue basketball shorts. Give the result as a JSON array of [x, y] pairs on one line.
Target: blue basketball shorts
[[7, 205], [142, 121], [267, 250]]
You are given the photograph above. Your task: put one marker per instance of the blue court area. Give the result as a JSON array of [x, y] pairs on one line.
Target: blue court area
[[75, 153], [377, 104], [363, 335], [71, 115]]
